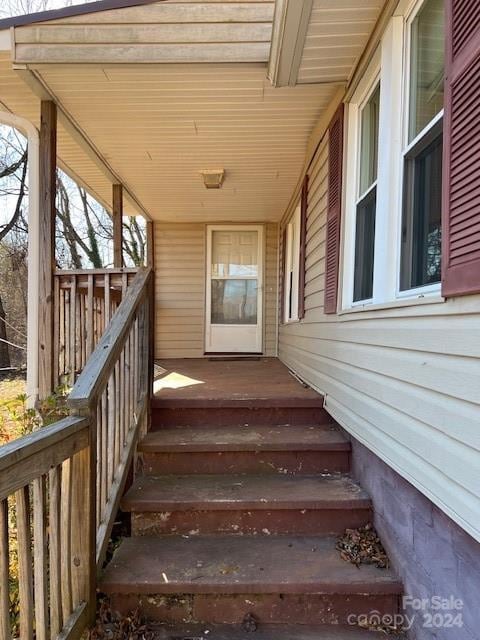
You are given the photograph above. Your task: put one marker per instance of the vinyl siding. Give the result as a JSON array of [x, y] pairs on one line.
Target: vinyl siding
[[405, 381], [180, 255], [270, 289], [158, 32]]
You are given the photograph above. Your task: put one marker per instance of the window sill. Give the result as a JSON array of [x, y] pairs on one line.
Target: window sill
[[395, 304]]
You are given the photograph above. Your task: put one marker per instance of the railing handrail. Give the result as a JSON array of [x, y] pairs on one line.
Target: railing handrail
[[17, 455], [94, 272], [98, 366]]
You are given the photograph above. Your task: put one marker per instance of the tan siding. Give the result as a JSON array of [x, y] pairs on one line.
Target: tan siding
[[179, 290], [270, 289], [180, 254], [405, 381]]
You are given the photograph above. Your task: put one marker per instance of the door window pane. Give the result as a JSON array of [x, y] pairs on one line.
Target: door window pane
[[369, 141], [234, 253], [421, 228], [365, 247], [426, 66], [234, 302]]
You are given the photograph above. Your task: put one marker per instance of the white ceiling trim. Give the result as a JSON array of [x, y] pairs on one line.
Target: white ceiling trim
[[290, 27]]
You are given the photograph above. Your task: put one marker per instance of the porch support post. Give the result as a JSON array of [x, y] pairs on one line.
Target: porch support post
[[150, 244], [47, 212], [117, 214]]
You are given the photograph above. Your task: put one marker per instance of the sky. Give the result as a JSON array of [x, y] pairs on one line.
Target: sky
[[20, 7]]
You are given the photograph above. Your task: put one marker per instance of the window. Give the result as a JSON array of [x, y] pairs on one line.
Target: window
[[292, 265], [421, 224], [393, 187], [367, 200], [426, 66], [422, 203]]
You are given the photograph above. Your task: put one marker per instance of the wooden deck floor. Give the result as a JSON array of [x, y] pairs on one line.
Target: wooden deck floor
[[217, 380]]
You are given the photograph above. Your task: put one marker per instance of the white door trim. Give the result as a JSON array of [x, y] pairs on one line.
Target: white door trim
[[236, 347]]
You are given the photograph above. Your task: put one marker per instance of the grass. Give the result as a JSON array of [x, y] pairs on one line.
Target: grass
[[12, 405]]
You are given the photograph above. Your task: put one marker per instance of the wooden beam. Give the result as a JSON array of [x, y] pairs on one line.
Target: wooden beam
[[117, 215], [47, 186]]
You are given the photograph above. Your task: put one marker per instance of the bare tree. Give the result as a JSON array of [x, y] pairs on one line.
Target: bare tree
[[134, 240], [84, 238], [20, 7], [84, 230], [13, 193]]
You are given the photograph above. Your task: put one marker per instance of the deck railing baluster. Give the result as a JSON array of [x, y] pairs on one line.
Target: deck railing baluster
[[85, 301], [67, 479]]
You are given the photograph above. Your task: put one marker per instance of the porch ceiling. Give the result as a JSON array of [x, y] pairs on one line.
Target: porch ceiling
[[336, 36], [159, 125]]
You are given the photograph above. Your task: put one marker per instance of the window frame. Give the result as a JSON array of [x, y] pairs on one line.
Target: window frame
[[367, 87], [291, 283], [410, 14], [390, 66], [361, 197]]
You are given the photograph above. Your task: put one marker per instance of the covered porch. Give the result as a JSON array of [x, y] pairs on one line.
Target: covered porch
[[139, 114]]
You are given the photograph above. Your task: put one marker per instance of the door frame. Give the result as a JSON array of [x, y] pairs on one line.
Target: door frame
[[260, 228]]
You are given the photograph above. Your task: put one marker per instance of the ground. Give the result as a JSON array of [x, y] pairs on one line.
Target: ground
[[12, 410]]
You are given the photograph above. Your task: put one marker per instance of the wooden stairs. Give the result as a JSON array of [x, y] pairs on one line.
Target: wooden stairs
[[234, 525]]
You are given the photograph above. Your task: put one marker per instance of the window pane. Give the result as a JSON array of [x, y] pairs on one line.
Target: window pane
[[234, 253], [365, 247], [234, 302], [292, 264], [369, 142], [427, 66], [421, 228]]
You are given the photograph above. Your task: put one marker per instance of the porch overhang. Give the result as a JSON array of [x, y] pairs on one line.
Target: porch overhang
[[151, 93]]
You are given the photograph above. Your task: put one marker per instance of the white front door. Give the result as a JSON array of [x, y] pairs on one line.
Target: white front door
[[234, 300]]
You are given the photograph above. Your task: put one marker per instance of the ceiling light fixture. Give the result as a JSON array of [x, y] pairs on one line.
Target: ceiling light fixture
[[213, 178]]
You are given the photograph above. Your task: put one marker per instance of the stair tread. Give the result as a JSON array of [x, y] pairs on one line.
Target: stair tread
[[240, 565], [241, 401], [236, 491], [264, 632], [244, 438]]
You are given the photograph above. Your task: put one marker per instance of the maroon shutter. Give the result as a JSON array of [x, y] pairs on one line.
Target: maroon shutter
[[335, 162], [461, 183], [303, 249]]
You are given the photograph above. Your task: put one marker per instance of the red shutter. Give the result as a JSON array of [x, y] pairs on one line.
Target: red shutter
[[461, 183], [335, 162], [303, 249]]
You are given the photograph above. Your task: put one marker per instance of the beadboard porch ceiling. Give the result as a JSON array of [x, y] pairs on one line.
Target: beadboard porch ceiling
[[160, 125], [155, 126]]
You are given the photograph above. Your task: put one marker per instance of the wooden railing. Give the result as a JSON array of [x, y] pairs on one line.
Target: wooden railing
[[61, 485], [85, 301]]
